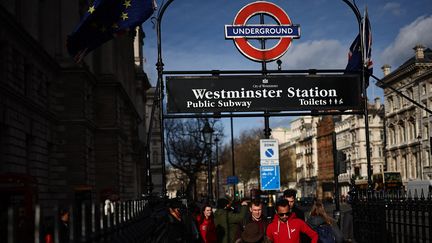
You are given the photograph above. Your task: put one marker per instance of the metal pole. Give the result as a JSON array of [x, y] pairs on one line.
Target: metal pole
[[364, 88], [209, 174], [232, 155], [267, 130], [336, 212], [217, 167], [159, 66]]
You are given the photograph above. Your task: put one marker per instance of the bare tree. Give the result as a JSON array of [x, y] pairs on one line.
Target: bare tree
[[186, 149], [247, 159]]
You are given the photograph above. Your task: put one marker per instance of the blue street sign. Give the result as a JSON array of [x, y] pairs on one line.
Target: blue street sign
[[270, 177], [232, 180]]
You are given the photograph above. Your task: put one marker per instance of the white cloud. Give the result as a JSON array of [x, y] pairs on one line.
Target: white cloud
[[394, 8], [318, 54], [418, 32]]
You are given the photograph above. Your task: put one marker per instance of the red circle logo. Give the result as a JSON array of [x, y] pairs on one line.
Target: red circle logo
[[249, 50]]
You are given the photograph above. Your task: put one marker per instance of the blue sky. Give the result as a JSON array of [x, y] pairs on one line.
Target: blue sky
[[193, 38]]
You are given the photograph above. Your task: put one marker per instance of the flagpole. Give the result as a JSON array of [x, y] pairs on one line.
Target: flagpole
[[364, 89], [159, 91]]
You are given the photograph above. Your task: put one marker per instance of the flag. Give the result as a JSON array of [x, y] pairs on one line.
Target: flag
[[367, 33], [104, 20], [354, 56], [355, 53]]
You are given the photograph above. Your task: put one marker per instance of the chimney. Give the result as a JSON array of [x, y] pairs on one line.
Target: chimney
[[386, 69], [377, 103], [419, 51]]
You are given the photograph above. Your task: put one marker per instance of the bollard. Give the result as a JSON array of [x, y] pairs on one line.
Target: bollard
[[83, 223], [11, 224], [37, 223]]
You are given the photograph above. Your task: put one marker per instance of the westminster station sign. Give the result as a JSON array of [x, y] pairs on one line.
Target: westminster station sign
[[194, 94]]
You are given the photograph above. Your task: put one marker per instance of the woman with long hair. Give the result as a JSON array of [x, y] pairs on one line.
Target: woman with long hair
[[206, 224], [323, 224]]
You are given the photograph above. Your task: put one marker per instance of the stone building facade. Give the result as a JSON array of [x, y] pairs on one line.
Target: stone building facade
[[69, 133], [351, 140], [408, 148], [325, 176], [155, 141]]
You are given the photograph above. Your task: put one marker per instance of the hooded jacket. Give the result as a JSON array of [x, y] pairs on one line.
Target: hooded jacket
[[289, 231], [316, 221], [226, 223]]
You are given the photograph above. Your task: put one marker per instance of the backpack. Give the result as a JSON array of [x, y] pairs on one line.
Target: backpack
[[325, 234]]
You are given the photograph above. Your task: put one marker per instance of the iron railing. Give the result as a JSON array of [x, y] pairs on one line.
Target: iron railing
[[106, 222], [392, 217]]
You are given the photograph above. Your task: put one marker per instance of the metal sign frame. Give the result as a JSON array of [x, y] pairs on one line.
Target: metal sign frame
[[160, 93]]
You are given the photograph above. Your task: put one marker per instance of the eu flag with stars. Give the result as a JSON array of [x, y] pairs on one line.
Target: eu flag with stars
[[104, 20]]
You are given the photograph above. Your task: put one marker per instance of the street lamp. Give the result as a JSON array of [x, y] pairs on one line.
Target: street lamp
[[207, 133]]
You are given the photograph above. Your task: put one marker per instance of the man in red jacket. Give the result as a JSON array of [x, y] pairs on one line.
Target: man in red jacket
[[286, 228]]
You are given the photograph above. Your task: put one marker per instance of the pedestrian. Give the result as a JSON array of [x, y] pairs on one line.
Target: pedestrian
[[254, 216], [171, 228], [252, 234], [226, 220], [286, 227], [206, 225], [64, 226], [290, 196], [324, 225]]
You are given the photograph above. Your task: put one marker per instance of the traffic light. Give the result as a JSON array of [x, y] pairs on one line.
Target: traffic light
[[341, 162]]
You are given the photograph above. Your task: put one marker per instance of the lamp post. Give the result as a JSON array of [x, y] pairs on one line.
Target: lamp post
[[207, 133], [217, 166]]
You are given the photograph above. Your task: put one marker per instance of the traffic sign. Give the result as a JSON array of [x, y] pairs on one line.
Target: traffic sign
[[270, 177], [269, 150], [284, 30], [269, 162]]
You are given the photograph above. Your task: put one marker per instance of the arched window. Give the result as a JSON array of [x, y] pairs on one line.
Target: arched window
[[401, 132], [413, 166], [411, 129], [390, 103], [404, 168]]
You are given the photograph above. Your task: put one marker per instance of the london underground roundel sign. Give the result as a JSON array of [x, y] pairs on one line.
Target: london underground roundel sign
[[284, 31]]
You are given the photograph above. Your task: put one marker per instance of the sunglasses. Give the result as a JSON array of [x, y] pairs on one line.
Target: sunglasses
[[282, 214]]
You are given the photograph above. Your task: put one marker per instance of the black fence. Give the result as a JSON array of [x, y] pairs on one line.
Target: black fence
[[392, 217], [105, 222]]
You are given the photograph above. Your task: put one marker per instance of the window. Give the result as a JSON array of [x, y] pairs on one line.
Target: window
[[402, 136], [390, 103], [396, 103], [392, 135]]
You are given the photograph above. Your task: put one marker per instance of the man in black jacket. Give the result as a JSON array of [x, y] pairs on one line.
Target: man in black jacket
[[175, 226], [290, 196]]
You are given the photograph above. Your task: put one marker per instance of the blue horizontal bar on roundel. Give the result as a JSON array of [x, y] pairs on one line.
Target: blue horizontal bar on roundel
[[262, 31]]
